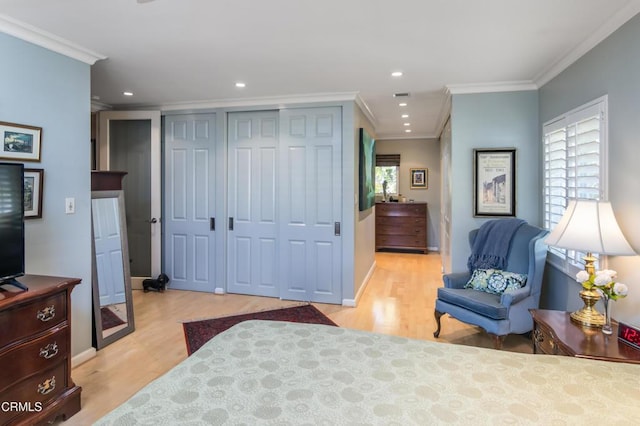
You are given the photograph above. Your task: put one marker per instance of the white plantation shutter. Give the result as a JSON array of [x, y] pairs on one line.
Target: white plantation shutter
[[575, 147]]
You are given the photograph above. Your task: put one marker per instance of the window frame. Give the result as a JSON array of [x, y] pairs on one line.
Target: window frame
[[570, 264]]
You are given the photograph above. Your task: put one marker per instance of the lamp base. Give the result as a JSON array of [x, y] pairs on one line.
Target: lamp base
[[588, 316]]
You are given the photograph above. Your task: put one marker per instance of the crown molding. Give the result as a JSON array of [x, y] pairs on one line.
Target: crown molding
[[499, 86], [272, 101], [445, 112], [390, 136], [99, 106], [47, 40], [616, 21], [366, 110]]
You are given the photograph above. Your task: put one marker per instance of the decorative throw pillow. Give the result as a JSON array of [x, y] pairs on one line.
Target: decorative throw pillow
[[495, 281]]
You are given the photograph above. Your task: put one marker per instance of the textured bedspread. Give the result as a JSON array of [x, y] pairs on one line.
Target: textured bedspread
[[266, 372]]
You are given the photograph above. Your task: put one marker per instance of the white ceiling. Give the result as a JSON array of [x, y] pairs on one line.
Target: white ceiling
[[177, 53]]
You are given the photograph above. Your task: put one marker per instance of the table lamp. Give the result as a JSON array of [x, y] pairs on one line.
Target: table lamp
[[589, 226]]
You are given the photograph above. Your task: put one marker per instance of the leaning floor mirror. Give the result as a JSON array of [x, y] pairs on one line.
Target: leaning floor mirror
[[112, 301]]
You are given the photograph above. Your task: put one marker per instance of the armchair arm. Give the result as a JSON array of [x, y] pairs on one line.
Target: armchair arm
[[456, 279], [512, 297]]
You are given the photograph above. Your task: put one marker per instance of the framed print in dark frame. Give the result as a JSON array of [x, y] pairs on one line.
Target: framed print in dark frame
[[367, 171], [419, 179], [33, 183], [494, 182], [20, 142]]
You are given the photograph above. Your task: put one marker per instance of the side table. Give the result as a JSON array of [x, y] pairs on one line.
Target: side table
[[555, 334]]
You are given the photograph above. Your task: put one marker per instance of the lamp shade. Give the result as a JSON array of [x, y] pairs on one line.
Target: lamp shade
[[590, 226]]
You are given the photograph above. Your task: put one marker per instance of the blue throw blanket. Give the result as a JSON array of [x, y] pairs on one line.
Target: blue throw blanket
[[491, 246]]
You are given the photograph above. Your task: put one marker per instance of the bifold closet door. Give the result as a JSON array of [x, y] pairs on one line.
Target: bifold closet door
[[310, 205], [252, 238], [189, 202]]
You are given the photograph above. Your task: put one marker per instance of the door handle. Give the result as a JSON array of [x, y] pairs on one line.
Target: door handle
[[153, 220], [230, 224], [336, 229], [212, 223]]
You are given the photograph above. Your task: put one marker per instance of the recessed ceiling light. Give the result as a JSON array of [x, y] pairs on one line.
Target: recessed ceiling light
[[240, 84], [127, 93], [396, 74], [402, 104], [407, 131], [407, 124], [405, 115]]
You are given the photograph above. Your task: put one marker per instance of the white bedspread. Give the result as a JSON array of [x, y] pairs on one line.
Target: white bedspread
[[266, 372]]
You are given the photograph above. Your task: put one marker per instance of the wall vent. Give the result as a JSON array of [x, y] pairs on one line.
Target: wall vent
[[401, 95]]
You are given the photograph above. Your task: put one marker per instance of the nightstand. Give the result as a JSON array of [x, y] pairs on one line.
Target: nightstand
[[555, 334]]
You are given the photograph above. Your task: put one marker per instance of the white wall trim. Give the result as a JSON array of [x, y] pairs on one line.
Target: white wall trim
[[616, 21], [219, 290], [83, 357], [276, 102], [366, 111], [499, 86], [387, 136], [445, 112], [352, 303], [49, 41]]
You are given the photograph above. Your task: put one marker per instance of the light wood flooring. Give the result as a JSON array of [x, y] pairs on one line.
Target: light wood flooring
[[399, 300]]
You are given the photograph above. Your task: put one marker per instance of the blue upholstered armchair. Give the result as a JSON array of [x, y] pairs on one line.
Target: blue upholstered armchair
[[498, 314]]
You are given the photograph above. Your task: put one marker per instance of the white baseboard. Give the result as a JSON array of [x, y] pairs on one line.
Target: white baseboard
[[436, 249], [352, 303], [83, 357], [219, 290]]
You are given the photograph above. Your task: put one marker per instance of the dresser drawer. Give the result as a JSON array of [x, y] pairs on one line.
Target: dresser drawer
[[404, 227], [40, 388], [404, 241], [30, 318], [37, 355], [401, 209], [545, 342]]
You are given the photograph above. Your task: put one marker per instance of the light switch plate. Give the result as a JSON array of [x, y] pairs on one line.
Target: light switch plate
[[70, 205]]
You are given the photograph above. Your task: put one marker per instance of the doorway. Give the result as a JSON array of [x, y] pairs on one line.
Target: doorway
[[130, 141]]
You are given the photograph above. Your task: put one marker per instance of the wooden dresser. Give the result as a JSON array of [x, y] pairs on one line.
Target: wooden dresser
[[401, 226], [35, 352]]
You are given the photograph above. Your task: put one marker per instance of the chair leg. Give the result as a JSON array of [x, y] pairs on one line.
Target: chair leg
[[437, 314], [498, 341]]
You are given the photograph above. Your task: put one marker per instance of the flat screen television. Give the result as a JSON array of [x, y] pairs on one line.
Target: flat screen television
[[11, 223]]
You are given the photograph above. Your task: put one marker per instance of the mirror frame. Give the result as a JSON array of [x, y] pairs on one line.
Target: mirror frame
[[101, 341]]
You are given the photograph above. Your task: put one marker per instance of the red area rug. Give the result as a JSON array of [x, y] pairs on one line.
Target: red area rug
[[109, 319], [197, 333]]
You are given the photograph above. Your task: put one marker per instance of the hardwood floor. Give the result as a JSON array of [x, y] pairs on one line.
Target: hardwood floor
[[398, 300]]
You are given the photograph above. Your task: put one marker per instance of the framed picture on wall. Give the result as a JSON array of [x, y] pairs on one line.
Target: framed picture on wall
[[367, 171], [419, 178], [33, 180], [494, 182], [20, 142]]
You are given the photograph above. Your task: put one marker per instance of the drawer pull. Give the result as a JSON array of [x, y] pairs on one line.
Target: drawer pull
[[49, 351], [47, 313], [47, 386]]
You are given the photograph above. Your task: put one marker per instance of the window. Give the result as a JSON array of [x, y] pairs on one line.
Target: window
[[388, 169], [575, 160]]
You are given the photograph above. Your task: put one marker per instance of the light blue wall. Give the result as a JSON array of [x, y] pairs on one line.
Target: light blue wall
[[492, 120], [611, 68], [45, 89]]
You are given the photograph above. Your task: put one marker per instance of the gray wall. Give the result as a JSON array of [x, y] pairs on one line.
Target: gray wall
[[45, 89], [492, 120], [611, 68], [419, 153]]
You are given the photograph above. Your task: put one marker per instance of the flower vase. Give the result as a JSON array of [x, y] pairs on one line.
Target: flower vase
[[606, 327]]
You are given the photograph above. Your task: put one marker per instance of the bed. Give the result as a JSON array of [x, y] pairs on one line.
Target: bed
[[269, 372]]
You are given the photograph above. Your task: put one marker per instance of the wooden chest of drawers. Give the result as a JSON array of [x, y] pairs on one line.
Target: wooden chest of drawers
[[35, 352], [401, 226]]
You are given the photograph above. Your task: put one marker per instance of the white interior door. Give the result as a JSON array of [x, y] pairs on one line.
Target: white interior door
[[108, 250], [190, 201], [142, 190], [310, 204], [252, 209]]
